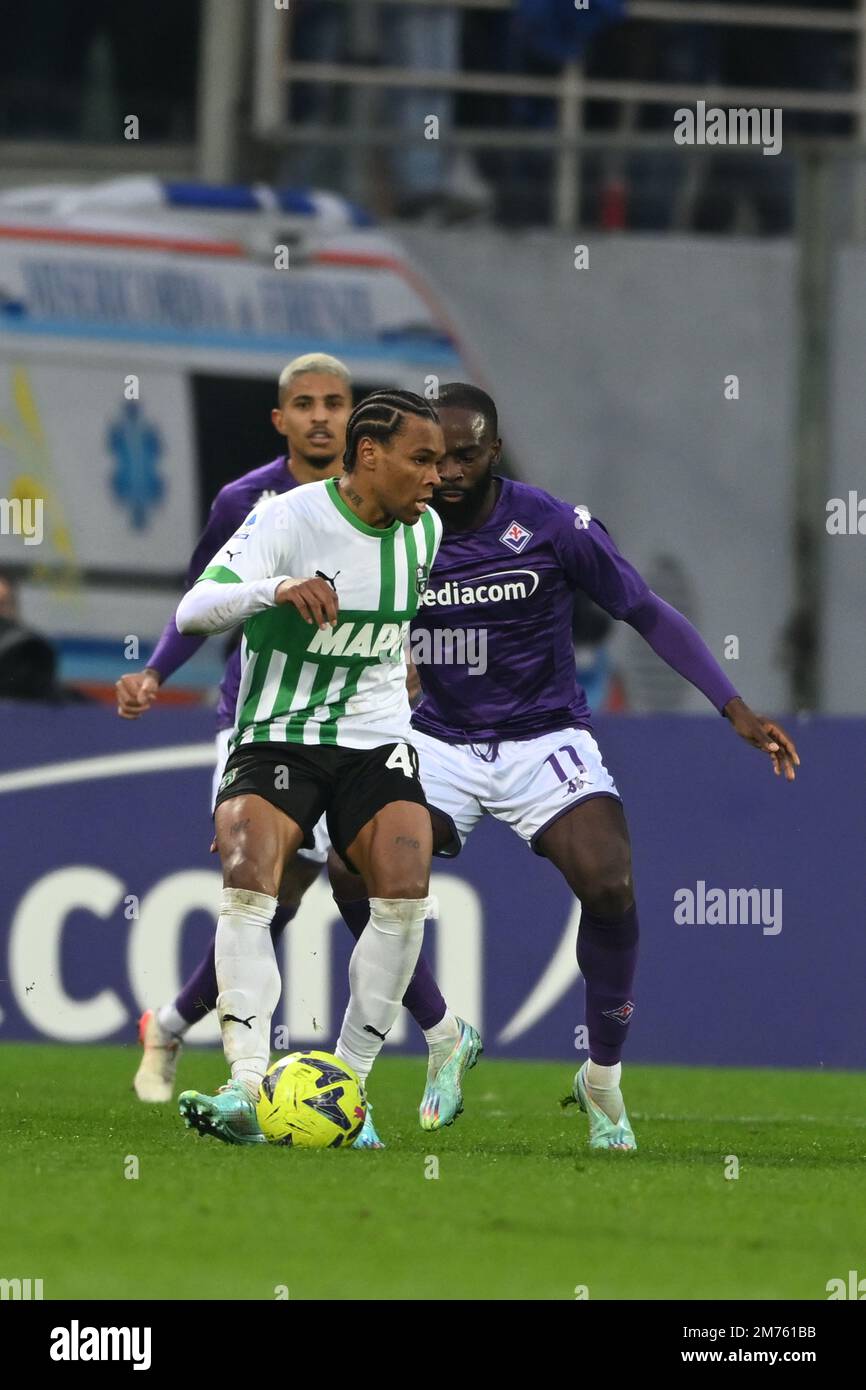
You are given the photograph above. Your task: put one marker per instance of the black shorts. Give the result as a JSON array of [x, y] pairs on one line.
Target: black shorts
[[305, 782]]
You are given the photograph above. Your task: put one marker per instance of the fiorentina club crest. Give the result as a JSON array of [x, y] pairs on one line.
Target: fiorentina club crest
[[516, 537], [622, 1014]]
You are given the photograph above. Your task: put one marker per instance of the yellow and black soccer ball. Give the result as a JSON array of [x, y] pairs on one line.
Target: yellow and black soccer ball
[[311, 1100]]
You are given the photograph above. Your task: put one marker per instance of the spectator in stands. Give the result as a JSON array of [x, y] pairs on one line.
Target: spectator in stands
[[319, 34], [538, 38], [429, 178], [28, 665]]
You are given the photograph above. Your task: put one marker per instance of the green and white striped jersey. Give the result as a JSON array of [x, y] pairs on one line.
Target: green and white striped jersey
[[345, 685]]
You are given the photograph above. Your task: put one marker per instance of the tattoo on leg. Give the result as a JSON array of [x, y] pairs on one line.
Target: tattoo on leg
[[407, 840], [238, 827]]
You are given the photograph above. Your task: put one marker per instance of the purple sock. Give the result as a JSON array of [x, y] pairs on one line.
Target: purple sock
[[199, 993], [607, 956], [423, 997]]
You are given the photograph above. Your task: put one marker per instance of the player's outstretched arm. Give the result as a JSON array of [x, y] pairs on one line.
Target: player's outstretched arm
[[137, 692], [680, 645], [594, 564], [212, 606], [765, 734]]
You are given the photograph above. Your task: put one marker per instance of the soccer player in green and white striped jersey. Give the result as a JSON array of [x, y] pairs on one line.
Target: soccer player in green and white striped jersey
[[325, 580]]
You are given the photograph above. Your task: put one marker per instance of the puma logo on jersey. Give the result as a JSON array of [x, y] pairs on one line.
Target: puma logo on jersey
[[327, 578], [373, 640]]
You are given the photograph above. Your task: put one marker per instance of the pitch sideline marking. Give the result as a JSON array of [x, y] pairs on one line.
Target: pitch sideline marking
[[109, 765]]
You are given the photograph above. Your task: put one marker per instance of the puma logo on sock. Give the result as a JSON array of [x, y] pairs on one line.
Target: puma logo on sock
[[368, 1028], [247, 1022]]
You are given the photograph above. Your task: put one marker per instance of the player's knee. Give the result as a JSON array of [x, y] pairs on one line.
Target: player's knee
[[611, 893], [389, 914], [242, 871], [400, 885]]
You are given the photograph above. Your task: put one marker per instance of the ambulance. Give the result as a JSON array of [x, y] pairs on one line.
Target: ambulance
[[143, 324]]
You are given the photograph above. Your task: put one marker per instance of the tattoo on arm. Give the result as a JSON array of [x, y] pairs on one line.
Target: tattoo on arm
[[407, 840]]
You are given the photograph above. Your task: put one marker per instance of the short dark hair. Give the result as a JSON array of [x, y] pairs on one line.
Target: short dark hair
[[382, 416], [466, 397]]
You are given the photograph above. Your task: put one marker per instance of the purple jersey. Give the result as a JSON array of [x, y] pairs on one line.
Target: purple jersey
[[232, 503], [513, 580]]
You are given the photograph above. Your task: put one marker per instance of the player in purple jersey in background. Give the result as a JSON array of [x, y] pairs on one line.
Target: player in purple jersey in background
[[503, 727], [314, 403]]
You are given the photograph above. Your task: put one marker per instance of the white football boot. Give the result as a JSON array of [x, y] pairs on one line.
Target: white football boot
[[154, 1080]]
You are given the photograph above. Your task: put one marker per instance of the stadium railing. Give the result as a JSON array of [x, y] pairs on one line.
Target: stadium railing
[[275, 71]]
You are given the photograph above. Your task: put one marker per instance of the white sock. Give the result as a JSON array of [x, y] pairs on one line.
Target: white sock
[[379, 973], [603, 1082], [170, 1021], [249, 983], [600, 1078], [441, 1039]]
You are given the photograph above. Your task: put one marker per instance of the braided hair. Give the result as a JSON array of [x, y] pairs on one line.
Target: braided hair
[[381, 416]]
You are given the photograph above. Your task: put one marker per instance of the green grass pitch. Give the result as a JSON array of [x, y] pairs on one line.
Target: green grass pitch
[[521, 1209]]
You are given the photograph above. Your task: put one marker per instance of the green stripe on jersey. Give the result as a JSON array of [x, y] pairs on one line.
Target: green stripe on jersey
[[300, 668], [220, 574], [322, 673], [412, 567], [429, 535], [328, 733], [386, 574]]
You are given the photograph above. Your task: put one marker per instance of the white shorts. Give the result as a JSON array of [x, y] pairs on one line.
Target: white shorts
[[322, 842], [529, 784]]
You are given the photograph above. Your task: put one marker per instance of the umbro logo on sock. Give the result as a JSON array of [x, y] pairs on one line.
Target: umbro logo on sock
[[247, 1022], [368, 1028]]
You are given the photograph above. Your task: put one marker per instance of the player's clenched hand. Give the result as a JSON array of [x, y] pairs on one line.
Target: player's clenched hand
[[766, 735], [136, 693], [315, 600]]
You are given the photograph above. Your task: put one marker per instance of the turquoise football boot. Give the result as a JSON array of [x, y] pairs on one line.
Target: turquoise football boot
[[368, 1138], [230, 1115], [603, 1133], [442, 1100]]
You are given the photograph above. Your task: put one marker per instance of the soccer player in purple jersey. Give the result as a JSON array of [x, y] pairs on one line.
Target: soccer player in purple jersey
[[314, 403], [513, 739]]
